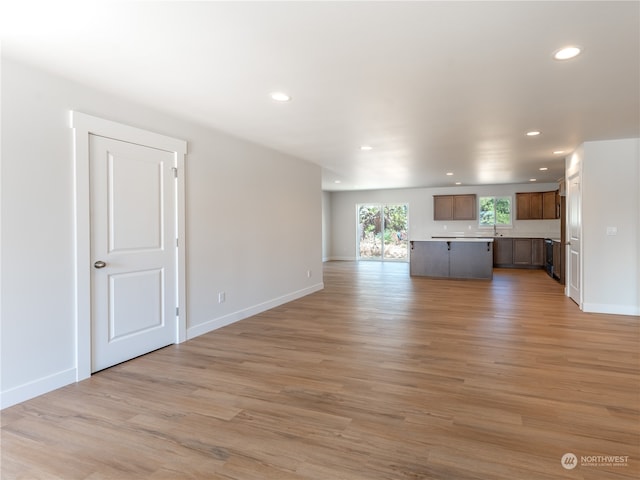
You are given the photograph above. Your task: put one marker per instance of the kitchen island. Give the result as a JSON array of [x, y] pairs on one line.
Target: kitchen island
[[452, 258]]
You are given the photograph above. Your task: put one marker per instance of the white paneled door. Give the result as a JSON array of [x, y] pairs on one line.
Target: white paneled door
[[133, 250], [574, 229]]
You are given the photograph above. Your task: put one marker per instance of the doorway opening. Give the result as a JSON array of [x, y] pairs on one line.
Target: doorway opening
[[383, 232]]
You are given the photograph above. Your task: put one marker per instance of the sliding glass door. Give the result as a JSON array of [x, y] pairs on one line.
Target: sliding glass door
[[395, 228], [383, 232]]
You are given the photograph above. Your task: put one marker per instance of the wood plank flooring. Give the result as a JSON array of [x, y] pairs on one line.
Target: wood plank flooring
[[378, 376]]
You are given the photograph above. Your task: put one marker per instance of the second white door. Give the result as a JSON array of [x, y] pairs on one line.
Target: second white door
[[574, 230], [133, 250]]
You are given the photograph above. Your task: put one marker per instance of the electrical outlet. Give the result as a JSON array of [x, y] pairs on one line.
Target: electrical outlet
[[221, 297]]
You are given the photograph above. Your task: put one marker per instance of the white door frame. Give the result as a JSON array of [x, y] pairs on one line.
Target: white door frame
[[83, 125]]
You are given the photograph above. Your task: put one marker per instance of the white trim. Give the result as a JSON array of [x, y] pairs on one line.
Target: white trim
[[220, 322], [83, 125], [181, 334], [611, 309], [37, 387]]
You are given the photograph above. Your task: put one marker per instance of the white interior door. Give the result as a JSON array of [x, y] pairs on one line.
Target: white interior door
[[574, 231], [133, 250]]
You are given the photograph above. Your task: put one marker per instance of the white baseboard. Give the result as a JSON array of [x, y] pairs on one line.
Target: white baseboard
[[36, 388], [342, 259], [220, 322], [611, 309], [52, 382]]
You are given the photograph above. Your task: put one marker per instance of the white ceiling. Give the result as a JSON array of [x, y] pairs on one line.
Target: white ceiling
[[433, 87]]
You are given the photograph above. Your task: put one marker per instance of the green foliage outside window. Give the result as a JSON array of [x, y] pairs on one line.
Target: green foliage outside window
[[383, 232], [370, 220], [495, 211], [395, 217]]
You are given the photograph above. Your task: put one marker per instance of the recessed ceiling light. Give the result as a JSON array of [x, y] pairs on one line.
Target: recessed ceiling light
[[543, 169], [533, 133], [449, 173], [458, 183], [337, 181], [558, 152], [280, 97], [366, 148], [532, 180], [566, 53]]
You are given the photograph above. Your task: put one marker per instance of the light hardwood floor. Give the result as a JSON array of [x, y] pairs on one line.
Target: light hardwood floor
[[378, 376]]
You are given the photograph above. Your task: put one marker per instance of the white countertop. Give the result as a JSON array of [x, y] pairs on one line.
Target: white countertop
[[528, 235], [456, 235], [456, 239]]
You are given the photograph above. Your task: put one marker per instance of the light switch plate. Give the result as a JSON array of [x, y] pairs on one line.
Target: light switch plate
[[612, 230]]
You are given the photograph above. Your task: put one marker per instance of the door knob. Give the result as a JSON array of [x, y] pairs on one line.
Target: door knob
[[100, 264]]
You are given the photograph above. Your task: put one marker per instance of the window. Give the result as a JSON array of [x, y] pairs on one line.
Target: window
[[495, 211], [382, 232]]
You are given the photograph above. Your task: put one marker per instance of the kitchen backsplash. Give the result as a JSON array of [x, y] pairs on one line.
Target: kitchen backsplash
[[522, 228]]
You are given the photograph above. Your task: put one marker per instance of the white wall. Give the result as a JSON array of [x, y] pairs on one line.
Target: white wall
[[253, 221], [610, 198], [421, 223]]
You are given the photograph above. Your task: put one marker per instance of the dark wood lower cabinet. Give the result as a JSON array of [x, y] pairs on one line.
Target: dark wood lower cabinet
[[518, 252], [522, 251], [537, 252], [502, 251], [558, 263]]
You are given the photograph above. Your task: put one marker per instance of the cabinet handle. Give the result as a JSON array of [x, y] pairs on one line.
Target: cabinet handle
[[448, 245], [488, 246]]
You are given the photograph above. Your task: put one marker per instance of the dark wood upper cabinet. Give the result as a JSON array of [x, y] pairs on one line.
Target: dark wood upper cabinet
[[454, 207], [550, 205], [536, 206], [523, 206], [443, 207], [464, 207]]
